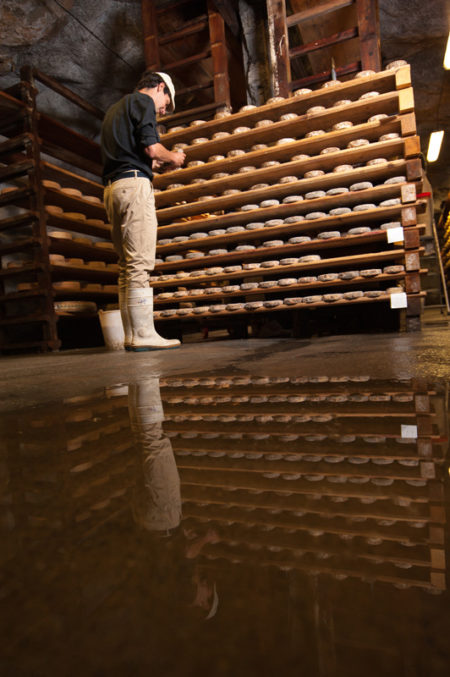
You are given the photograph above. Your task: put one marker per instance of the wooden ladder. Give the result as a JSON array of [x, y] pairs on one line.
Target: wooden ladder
[[211, 63], [284, 55]]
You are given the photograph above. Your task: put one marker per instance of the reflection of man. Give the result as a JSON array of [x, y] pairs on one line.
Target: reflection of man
[[157, 501], [157, 504], [130, 145]]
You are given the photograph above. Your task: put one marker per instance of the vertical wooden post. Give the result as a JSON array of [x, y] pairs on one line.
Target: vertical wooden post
[[369, 34], [219, 55], [279, 47], [37, 205], [151, 48]]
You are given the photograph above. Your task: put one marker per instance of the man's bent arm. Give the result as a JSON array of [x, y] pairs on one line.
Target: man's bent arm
[[159, 153]]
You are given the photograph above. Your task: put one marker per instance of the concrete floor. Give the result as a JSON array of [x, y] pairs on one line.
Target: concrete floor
[[33, 379], [148, 528]]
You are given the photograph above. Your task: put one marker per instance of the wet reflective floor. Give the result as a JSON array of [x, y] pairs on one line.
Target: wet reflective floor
[[228, 522]]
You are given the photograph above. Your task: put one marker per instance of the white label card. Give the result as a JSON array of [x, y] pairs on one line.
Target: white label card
[[395, 234], [409, 431], [399, 300]]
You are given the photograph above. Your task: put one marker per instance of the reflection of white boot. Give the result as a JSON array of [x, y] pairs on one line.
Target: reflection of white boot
[[140, 312], [125, 317]]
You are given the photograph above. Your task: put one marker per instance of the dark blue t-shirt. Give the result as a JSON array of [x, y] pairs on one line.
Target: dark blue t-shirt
[[128, 128]]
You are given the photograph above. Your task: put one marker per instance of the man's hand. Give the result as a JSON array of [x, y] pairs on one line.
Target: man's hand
[[178, 158], [159, 154]]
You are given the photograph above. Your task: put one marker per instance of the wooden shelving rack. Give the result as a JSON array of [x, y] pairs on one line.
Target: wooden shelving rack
[[198, 203], [47, 205], [443, 233], [200, 292]]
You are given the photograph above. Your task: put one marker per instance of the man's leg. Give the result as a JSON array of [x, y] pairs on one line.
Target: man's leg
[[134, 200], [115, 219]]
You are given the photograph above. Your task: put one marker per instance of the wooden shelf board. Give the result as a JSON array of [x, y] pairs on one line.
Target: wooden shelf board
[[305, 226], [71, 180], [283, 251], [19, 197], [20, 295], [280, 211], [25, 319], [66, 272], [321, 468], [18, 221], [26, 345], [75, 250], [385, 298], [311, 511], [19, 244], [10, 103], [54, 133], [71, 203], [81, 294], [13, 272], [272, 176], [319, 286], [383, 82], [300, 187], [64, 223], [284, 152], [272, 485], [354, 260]]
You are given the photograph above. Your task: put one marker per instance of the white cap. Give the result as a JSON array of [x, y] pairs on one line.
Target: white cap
[[168, 82]]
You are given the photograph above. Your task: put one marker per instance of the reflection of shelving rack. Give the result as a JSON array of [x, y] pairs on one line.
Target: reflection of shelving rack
[[80, 475], [71, 473], [313, 476], [47, 211], [202, 206]]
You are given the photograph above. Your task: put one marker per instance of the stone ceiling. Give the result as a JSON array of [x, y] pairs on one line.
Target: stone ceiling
[[96, 49]]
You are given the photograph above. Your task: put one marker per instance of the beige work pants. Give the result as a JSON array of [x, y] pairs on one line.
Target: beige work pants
[[130, 206]]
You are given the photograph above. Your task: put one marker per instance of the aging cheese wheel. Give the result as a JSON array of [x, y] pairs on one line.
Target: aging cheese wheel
[[60, 235], [73, 192], [53, 209], [51, 184]]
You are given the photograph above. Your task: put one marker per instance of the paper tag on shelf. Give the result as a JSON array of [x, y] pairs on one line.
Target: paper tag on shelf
[[395, 234], [409, 431], [399, 300]]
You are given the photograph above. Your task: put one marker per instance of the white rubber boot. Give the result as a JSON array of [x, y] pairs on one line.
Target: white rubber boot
[[125, 317], [140, 312]]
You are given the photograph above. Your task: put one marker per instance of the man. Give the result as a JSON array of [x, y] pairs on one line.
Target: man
[[130, 145]]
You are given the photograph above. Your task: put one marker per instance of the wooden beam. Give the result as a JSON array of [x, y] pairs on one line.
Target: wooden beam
[[315, 12], [192, 113], [67, 94], [334, 39], [278, 47], [369, 34], [195, 88], [196, 26], [195, 58], [326, 75], [219, 54], [150, 30], [165, 5], [229, 15]]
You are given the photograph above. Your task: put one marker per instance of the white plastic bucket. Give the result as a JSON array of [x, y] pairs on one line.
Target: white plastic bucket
[[112, 329]]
